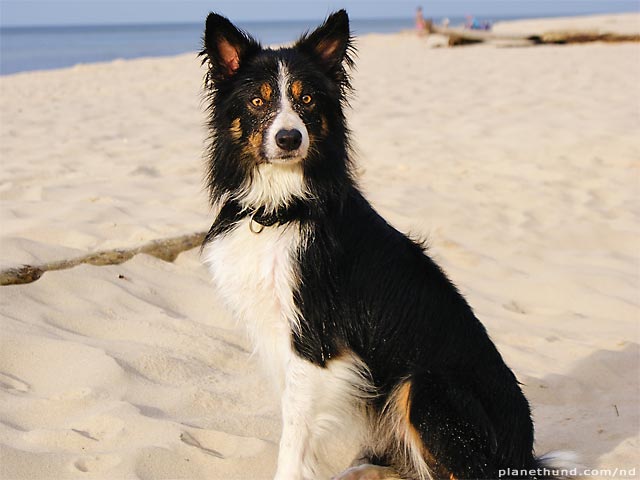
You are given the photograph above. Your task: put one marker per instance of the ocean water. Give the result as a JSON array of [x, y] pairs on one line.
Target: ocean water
[[41, 48]]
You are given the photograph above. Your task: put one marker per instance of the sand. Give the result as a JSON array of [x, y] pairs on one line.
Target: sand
[[520, 165]]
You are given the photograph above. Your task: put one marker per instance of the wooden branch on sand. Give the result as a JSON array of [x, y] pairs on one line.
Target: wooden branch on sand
[[577, 36], [465, 36], [166, 249]]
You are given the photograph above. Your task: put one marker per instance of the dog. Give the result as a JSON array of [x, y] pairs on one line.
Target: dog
[[359, 329]]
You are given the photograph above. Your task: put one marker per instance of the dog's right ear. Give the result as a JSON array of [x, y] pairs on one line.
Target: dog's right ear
[[225, 47]]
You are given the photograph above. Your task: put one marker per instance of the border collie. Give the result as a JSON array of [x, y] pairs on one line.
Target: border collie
[[359, 328]]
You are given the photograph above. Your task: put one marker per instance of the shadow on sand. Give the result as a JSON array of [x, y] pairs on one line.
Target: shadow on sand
[[593, 410]]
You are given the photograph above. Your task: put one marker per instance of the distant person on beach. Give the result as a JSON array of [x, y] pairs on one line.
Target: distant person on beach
[[474, 24], [420, 23]]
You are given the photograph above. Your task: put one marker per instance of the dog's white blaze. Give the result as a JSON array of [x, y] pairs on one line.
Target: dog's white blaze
[[286, 118], [256, 275], [277, 183]]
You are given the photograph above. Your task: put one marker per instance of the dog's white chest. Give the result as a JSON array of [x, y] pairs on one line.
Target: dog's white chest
[[256, 276]]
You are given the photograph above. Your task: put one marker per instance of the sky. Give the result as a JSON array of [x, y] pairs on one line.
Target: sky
[[100, 12]]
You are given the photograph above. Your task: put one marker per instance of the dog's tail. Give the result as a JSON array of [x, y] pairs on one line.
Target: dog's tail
[[558, 465]]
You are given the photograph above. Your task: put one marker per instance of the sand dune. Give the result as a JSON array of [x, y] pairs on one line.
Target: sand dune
[[520, 165]]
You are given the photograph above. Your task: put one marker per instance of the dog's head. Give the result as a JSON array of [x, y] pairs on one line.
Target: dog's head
[[276, 114]]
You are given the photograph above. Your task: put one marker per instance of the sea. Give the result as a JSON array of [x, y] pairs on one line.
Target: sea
[[42, 48]]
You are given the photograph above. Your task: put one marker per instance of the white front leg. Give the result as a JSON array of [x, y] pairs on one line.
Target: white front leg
[[295, 461]]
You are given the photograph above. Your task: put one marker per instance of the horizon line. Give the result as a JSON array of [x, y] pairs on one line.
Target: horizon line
[[531, 15]]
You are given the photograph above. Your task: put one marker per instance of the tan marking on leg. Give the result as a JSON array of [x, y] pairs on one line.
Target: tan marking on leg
[[266, 91], [296, 89], [236, 129], [403, 405], [399, 434]]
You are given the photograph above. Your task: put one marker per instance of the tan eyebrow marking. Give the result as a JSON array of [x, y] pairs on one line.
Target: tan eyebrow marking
[[265, 91], [296, 89]]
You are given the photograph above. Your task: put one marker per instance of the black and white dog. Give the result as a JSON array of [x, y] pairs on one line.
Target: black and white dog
[[359, 328]]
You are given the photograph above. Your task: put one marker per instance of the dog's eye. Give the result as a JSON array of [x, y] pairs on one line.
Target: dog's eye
[[306, 99], [257, 102]]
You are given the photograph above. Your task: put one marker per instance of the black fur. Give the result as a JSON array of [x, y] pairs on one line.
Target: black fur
[[364, 286]]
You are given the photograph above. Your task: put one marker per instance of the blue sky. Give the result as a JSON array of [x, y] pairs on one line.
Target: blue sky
[[80, 12]]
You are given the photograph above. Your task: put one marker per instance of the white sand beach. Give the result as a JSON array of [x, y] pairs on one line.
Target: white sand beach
[[520, 165]]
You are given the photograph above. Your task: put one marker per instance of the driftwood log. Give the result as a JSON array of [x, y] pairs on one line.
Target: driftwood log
[[465, 36], [166, 249]]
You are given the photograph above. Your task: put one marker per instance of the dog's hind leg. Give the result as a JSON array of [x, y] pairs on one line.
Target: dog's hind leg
[[444, 428]]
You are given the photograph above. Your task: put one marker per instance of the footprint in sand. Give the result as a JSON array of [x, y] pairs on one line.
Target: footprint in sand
[[13, 384], [85, 434], [193, 442], [97, 463], [512, 306], [100, 428], [77, 394]]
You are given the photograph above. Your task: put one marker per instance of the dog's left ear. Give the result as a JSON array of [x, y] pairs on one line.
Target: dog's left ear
[[225, 47], [330, 45]]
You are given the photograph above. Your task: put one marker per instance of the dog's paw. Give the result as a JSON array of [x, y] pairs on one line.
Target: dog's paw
[[367, 472]]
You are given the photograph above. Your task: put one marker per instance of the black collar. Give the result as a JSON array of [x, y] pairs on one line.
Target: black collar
[[231, 213], [280, 216]]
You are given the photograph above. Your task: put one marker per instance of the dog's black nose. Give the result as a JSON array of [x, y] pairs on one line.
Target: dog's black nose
[[288, 139]]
